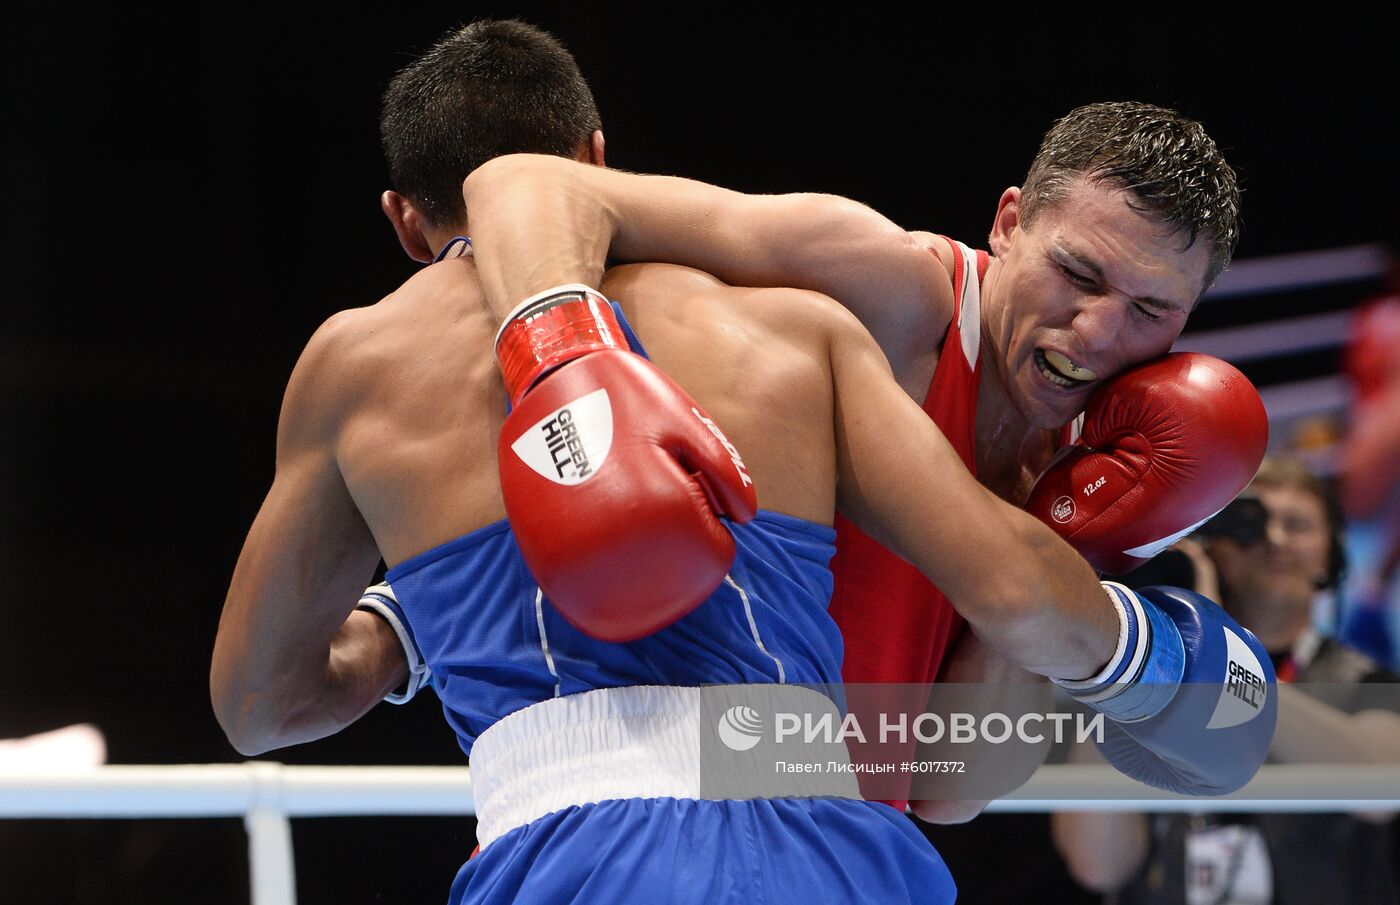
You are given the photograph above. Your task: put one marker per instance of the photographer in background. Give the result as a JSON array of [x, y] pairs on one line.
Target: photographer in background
[[1267, 556]]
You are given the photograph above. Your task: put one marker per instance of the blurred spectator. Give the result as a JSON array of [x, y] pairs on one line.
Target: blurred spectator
[[1266, 556], [1369, 466]]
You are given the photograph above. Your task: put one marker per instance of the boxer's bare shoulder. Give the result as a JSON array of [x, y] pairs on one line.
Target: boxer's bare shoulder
[[407, 397], [914, 353], [431, 334], [940, 297], [908, 302]]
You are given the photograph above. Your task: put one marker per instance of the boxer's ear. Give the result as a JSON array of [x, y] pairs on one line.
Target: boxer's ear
[[594, 152], [1007, 221], [408, 226]]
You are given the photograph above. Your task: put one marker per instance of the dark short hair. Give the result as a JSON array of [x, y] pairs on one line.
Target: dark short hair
[[1167, 163], [486, 89]]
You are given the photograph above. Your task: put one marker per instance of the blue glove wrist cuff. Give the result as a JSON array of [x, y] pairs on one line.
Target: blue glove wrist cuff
[[1146, 671]]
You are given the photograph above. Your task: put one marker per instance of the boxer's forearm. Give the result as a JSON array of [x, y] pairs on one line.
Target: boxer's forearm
[[993, 682], [291, 660], [1102, 850], [536, 222], [539, 221], [1048, 613], [363, 664]]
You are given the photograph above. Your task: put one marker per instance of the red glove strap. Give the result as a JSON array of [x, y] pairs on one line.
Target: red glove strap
[[551, 328]]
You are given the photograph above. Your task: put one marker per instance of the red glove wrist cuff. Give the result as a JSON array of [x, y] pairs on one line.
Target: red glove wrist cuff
[[551, 328]]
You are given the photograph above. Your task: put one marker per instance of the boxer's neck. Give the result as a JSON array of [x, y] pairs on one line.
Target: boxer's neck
[[439, 238], [1011, 452]]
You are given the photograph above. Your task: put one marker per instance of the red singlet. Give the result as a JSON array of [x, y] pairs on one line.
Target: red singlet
[[896, 625]]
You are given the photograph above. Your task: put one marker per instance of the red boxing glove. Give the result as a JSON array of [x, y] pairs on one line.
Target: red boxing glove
[[1165, 446], [614, 480]]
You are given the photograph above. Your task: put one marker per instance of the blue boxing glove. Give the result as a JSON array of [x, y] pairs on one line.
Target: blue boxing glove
[[1190, 694]]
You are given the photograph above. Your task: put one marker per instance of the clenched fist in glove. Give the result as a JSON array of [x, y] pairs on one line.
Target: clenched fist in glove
[[614, 480], [1164, 447]]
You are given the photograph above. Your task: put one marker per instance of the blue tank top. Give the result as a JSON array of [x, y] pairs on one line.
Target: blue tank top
[[495, 644]]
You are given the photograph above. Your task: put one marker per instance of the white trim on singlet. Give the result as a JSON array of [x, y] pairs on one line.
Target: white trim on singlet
[[1076, 428], [544, 637], [970, 305], [753, 627], [748, 613]]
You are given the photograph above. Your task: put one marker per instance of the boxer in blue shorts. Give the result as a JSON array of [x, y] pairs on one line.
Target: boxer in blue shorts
[[583, 754], [569, 813]]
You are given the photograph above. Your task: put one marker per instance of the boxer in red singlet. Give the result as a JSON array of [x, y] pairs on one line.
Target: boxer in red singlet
[[1127, 215]]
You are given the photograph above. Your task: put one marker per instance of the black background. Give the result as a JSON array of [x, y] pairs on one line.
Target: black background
[[186, 195]]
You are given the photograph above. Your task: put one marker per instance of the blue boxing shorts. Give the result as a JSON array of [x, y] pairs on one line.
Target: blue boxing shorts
[[594, 798]]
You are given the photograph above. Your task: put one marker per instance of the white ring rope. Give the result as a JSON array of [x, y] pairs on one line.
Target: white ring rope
[[266, 794], [230, 790], [1293, 336], [1301, 270]]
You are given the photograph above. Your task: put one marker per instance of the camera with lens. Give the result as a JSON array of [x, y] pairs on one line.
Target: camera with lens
[[1244, 521]]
